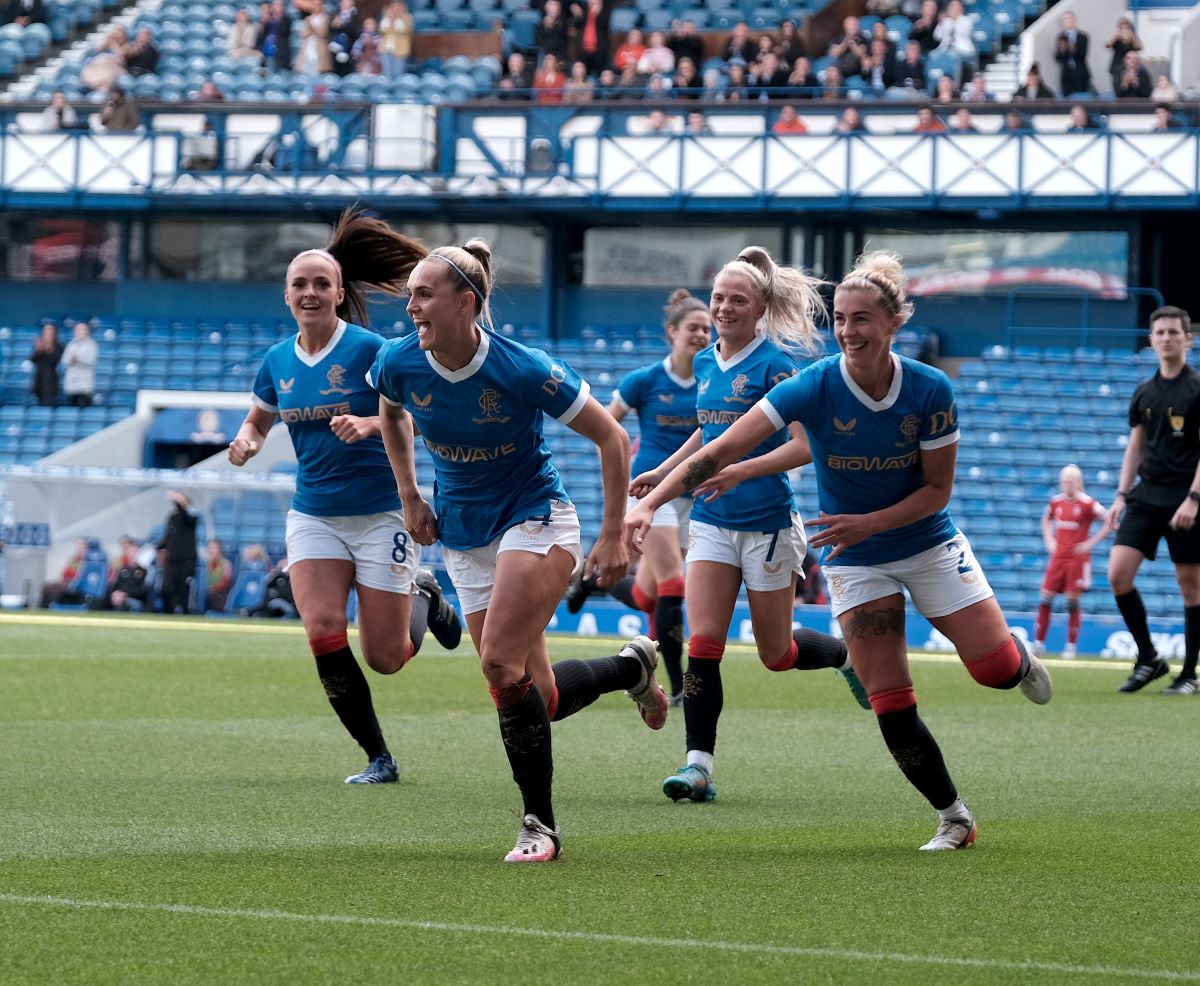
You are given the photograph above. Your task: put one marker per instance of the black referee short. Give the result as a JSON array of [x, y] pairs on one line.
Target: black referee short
[[1144, 525]]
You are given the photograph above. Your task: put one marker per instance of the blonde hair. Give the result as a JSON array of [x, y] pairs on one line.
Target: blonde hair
[[1073, 471], [792, 298], [470, 265], [881, 271]]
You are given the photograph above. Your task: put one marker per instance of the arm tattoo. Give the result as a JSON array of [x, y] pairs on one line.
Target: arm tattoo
[[875, 622], [697, 472]]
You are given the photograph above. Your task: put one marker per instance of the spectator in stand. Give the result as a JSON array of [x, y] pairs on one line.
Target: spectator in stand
[[1164, 91], [24, 12], [108, 63], [1016, 122], [629, 52], [549, 80], [765, 43], [1163, 119], [1071, 50], [714, 86], [977, 91], [849, 48], [789, 122], [657, 123], [739, 44], [79, 357], [850, 122], [307, 7], [1081, 120], [119, 114], [46, 355], [769, 77], [218, 576], [1133, 81], [275, 37], [879, 66], [59, 113], [831, 84], [550, 35], [802, 77], [953, 33], [141, 57], [962, 122], [395, 38], [344, 29], [367, 58], [910, 71], [736, 88], [314, 56], [629, 84], [1123, 41], [687, 83], [944, 90], [697, 124], [177, 553], [1035, 88], [242, 39], [578, 87], [127, 588], [657, 58], [685, 42], [790, 46], [61, 591], [879, 32], [589, 21], [925, 26], [927, 122], [517, 80]]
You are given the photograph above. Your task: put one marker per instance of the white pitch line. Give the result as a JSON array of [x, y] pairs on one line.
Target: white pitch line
[[746, 948]]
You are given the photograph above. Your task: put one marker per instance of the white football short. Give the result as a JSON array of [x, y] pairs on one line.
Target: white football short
[[673, 513], [473, 572], [941, 580], [384, 555], [767, 559]]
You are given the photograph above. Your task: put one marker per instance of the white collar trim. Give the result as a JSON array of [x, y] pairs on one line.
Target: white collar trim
[[675, 378], [465, 372], [863, 397], [312, 359], [737, 357]]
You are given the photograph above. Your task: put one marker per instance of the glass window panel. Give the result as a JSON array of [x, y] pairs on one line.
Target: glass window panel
[[649, 256]]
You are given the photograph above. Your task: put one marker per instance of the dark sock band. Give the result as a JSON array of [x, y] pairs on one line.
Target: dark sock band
[[668, 627], [525, 730], [703, 699], [1133, 612], [350, 695], [623, 591], [418, 621], [917, 755], [580, 683], [818, 650], [1191, 640]]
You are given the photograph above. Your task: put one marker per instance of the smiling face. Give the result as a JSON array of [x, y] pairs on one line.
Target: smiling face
[[313, 291], [735, 307], [690, 334], [863, 329], [440, 312]]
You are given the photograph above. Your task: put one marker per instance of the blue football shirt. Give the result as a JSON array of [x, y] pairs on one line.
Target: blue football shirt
[[333, 478], [665, 404]]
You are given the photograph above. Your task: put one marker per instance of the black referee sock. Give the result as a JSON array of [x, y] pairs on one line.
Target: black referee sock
[[623, 592], [580, 683], [818, 650], [703, 699], [418, 621], [525, 730], [1191, 640], [1133, 612], [917, 755], [668, 628], [350, 695]]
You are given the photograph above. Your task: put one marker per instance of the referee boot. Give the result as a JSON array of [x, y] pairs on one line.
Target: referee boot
[[1143, 674]]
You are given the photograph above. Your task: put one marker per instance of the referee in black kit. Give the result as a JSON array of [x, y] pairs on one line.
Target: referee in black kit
[[1164, 455]]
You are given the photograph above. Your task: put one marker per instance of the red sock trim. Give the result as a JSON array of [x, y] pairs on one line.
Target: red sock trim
[[999, 667], [552, 706], [327, 645], [788, 661], [705, 648], [645, 603], [672, 587], [510, 695], [893, 700]]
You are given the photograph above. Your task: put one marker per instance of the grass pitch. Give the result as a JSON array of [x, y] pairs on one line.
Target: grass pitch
[[172, 811]]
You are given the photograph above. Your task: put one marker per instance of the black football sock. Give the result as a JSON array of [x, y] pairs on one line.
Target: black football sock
[[668, 626], [1133, 611], [418, 621], [525, 730], [703, 699], [1191, 640], [818, 650], [917, 755], [350, 695], [623, 591], [580, 683]]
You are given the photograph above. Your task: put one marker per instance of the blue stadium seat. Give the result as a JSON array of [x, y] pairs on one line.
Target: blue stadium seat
[[623, 19]]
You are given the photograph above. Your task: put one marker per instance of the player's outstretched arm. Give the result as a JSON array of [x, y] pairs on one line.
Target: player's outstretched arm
[[793, 454], [645, 482], [396, 427], [248, 442]]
